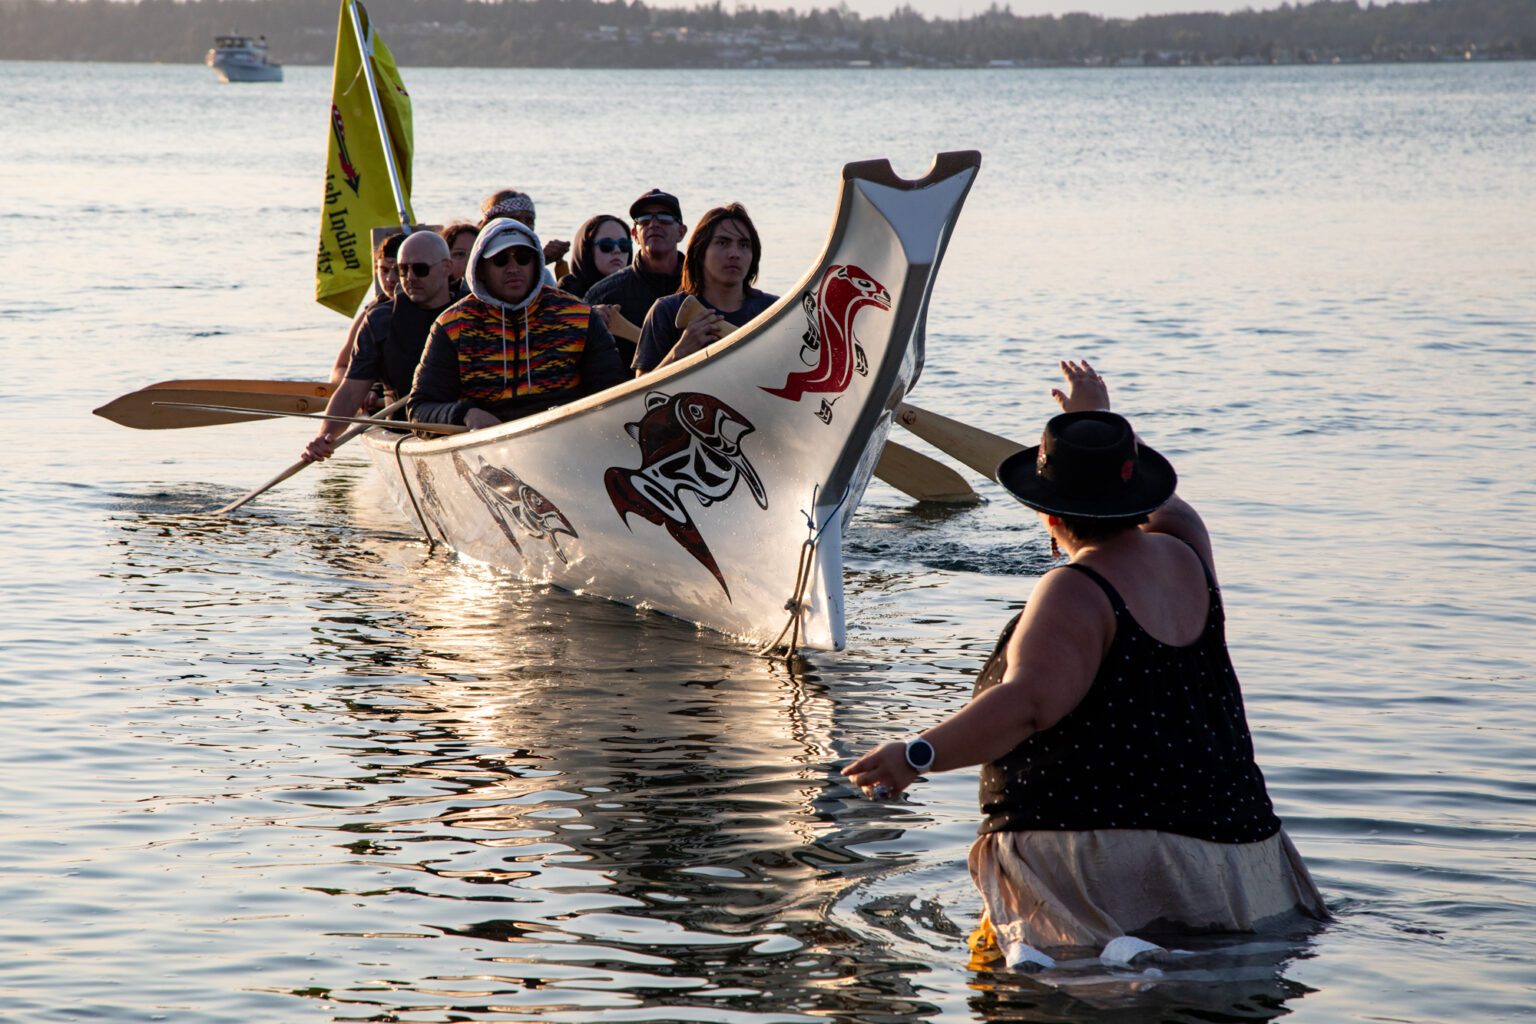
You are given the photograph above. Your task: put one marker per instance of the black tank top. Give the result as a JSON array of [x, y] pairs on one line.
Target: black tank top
[[1159, 742]]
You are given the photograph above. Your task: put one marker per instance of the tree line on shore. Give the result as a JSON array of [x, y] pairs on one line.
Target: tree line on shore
[[629, 33]]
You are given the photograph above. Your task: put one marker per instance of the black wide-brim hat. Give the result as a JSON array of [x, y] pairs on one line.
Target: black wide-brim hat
[[1089, 465]]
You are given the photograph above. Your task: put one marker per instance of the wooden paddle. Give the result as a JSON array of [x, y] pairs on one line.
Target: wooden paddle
[[968, 445], [163, 406], [691, 309], [619, 327], [922, 477], [368, 421], [303, 464]]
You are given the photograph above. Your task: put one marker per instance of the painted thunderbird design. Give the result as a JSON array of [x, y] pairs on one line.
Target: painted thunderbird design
[[831, 350]]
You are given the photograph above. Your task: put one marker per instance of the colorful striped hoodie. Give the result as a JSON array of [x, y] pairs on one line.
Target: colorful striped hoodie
[[511, 358]]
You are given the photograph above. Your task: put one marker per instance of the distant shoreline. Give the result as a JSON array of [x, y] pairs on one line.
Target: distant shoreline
[[855, 66], [610, 34]]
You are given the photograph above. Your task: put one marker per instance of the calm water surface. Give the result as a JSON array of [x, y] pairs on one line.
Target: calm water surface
[[288, 766]]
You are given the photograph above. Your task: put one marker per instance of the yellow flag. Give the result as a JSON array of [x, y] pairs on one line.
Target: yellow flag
[[358, 195]]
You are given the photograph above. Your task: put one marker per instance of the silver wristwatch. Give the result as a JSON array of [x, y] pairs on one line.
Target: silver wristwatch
[[920, 754]]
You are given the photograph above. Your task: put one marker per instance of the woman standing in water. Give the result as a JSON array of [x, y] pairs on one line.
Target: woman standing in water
[[1119, 791]]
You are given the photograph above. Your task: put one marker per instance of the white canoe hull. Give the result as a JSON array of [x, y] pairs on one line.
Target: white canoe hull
[[694, 490]]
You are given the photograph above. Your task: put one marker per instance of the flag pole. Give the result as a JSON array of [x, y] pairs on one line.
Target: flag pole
[[366, 52]]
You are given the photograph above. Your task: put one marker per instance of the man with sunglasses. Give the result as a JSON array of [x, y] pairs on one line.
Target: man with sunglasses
[[512, 347], [388, 345], [658, 267]]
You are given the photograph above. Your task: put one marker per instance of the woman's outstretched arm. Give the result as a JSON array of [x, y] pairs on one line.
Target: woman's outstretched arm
[[1053, 656]]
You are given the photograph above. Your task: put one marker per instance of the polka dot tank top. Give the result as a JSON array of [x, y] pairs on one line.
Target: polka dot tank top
[[1159, 742]]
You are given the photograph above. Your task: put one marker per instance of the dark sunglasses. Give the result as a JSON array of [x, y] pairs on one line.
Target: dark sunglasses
[[612, 244], [521, 253], [419, 269], [660, 218]]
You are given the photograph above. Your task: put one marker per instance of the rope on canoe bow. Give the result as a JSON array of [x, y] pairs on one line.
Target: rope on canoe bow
[[406, 482], [796, 604]]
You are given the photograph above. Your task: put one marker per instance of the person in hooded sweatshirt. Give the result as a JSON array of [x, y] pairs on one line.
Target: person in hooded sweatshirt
[[514, 346]]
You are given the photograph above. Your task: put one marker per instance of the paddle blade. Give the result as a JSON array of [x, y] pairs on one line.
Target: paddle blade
[[922, 477], [143, 410]]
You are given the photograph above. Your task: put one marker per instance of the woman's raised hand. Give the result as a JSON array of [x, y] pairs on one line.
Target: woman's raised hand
[[1086, 390]]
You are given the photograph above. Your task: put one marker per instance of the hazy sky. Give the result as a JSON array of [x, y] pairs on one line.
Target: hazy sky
[[954, 8]]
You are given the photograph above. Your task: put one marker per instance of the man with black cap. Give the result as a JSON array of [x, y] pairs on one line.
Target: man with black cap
[[658, 266]]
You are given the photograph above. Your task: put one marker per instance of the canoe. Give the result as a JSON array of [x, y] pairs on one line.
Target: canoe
[[716, 489]]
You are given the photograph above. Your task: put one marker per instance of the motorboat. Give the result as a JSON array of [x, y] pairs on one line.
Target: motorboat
[[243, 59]]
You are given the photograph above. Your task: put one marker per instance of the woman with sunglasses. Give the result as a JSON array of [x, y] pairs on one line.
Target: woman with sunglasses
[[513, 346], [602, 247], [657, 269], [601, 250]]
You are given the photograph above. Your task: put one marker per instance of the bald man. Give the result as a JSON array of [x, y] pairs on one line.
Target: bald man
[[389, 344]]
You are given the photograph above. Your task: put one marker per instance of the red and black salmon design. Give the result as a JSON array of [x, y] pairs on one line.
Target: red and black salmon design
[[511, 501], [831, 350], [688, 442]]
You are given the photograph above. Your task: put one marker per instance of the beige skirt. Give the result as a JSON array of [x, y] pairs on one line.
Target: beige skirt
[[1050, 891]]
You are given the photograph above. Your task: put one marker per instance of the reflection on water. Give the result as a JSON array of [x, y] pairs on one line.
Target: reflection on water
[[289, 752], [609, 807], [483, 797], [1233, 982]]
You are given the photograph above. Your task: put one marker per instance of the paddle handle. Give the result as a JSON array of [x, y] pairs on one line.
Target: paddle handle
[[620, 327], [688, 312], [302, 464], [693, 308]]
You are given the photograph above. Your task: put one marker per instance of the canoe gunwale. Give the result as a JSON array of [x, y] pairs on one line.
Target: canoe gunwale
[[879, 172]]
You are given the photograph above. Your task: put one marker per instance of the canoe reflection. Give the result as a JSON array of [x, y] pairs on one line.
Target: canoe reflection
[[593, 784]]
